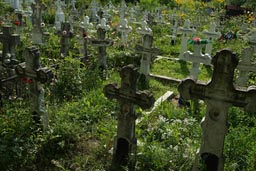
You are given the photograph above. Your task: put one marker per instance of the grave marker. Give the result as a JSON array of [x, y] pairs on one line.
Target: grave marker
[[59, 16], [219, 95], [245, 66], [197, 57], [102, 43], [147, 53], [125, 30], [37, 75], [186, 30], [128, 96], [211, 34], [9, 41], [65, 35]]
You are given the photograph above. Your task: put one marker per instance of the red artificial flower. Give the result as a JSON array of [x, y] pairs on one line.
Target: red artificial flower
[[196, 39], [26, 80], [1, 22], [84, 34], [16, 22]]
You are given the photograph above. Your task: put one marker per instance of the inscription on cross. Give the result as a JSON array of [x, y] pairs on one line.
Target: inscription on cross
[[9, 41], [128, 96], [31, 69], [219, 95]]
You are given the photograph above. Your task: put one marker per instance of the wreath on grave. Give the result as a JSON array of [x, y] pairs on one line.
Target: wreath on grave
[[197, 40]]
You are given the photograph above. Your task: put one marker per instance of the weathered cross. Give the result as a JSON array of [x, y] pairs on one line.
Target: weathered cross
[[65, 35], [186, 30], [102, 43], [31, 69], [212, 34], [9, 41], [59, 15], [37, 12], [128, 96], [196, 58], [147, 53], [219, 95], [245, 66], [125, 30]]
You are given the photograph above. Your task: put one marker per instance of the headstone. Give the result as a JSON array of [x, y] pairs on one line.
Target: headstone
[[197, 57], [186, 30], [219, 95], [65, 35], [147, 54], [59, 16], [245, 66], [128, 96], [125, 30], [9, 41], [32, 69], [211, 34], [102, 43]]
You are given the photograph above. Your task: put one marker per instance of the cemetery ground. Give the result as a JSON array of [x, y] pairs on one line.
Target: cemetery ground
[[83, 122]]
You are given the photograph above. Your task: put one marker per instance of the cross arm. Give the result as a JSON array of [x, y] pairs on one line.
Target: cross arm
[[144, 99]]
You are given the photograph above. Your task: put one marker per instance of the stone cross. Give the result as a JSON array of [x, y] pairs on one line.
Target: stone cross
[[174, 32], [37, 8], [186, 30], [196, 58], [122, 9], [94, 9], [59, 16], [9, 41], [219, 95], [38, 35], [128, 96], [85, 27], [211, 34], [125, 30], [245, 66], [32, 69], [102, 43], [65, 35], [144, 29], [147, 53]]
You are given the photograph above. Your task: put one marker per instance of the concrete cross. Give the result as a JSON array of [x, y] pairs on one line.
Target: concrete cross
[[59, 16], [9, 41], [245, 66], [37, 8], [186, 30], [128, 96], [102, 43], [196, 58], [144, 29], [94, 9], [122, 9], [147, 53], [65, 35], [31, 69], [211, 34], [125, 30], [219, 95]]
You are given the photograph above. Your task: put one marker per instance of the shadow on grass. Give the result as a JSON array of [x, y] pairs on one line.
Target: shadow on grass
[[184, 68]]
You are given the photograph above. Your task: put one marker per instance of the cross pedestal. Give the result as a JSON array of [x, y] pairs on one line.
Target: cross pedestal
[[65, 35], [196, 58], [9, 41], [245, 66], [147, 53], [186, 30], [31, 69], [219, 95], [128, 96]]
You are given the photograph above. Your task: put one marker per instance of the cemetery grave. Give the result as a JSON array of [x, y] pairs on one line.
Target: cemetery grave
[[127, 85]]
